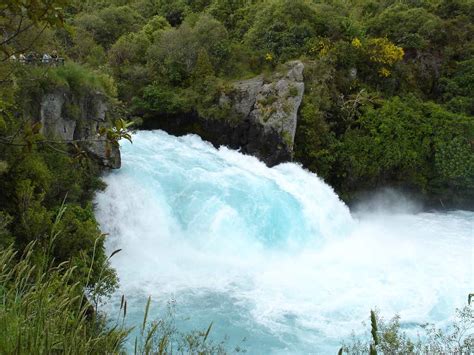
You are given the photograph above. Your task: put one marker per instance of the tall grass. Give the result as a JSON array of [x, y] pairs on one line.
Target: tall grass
[[44, 310]]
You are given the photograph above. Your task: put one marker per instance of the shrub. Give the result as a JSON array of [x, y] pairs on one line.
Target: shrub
[[399, 142], [387, 337], [108, 24]]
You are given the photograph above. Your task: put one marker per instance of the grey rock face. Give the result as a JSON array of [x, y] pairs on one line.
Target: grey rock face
[[267, 112], [67, 118], [260, 116], [277, 103], [52, 120]]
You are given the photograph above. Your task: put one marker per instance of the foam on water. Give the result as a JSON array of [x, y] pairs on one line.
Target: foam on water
[[271, 255]]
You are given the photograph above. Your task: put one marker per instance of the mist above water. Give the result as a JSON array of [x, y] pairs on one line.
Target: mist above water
[[271, 255]]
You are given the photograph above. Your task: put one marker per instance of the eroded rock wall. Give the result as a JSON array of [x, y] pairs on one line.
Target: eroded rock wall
[[66, 117], [260, 120], [269, 108]]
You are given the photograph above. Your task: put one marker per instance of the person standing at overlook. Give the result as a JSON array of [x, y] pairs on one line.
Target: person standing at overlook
[[46, 58]]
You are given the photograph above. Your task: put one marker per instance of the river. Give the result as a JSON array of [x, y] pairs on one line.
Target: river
[[271, 256]]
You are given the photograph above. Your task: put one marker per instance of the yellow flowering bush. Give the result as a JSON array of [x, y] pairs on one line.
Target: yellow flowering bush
[[384, 72], [356, 43], [381, 50], [319, 47]]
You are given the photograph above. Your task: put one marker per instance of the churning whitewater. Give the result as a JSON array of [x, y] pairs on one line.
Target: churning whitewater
[[271, 256]]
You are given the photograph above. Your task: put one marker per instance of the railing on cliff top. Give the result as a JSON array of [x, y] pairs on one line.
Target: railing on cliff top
[[35, 59]]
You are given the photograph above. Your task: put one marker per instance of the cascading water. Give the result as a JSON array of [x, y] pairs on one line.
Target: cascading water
[[270, 255]]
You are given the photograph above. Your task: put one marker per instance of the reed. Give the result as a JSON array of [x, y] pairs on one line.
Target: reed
[[44, 310]]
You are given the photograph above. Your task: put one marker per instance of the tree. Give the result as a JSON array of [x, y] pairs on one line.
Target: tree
[[174, 55], [283, 27], [108, 24], [18, 17], [413, 144], [408, 27], [174, 11]]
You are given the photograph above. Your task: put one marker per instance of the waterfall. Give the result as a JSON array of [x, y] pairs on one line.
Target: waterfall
[[271, 255]]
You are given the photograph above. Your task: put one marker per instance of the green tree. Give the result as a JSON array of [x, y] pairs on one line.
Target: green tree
[[174, 55], [398, 143], [282, 27], [108, 24], [409, 27]]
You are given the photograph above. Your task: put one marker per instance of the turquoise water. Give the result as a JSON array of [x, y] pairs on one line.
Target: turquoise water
[[271, 256]]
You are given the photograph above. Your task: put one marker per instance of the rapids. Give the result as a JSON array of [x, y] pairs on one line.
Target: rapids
[[271, 256]]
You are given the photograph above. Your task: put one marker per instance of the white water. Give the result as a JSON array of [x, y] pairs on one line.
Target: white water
[[271, 255]]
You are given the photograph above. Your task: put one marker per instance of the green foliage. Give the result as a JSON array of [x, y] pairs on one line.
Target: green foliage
[[108, 24], [38, 12], [117, 132], [374, 333], [42, 309], [203, 68], [283, 27], [174, 55], [314, 141], [81, 80], [84, 49], [161, 99], [127, 57], [6, 238], [154, 26], [130, 48], [456, 338], [410, 27], [77, 78], [38, 176], [400, 141], [21, 21], [457, 89], [173, 11], [236, 15], [205, 87]]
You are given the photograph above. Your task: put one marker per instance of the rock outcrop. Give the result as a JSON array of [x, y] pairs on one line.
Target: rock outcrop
[[268, 109], [259, 116], [69, 118]]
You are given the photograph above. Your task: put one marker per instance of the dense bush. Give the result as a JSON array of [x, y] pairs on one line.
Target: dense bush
[[410, 27], [410, 143], [282, 28], [365, 53], [108, 24], [389, 337]]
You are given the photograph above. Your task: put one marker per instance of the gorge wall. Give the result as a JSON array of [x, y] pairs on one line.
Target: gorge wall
[[66, 116], [260, 119]]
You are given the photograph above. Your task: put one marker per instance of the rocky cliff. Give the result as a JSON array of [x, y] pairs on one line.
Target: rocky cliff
[[65, 116], [260, 116], [266, 111]]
